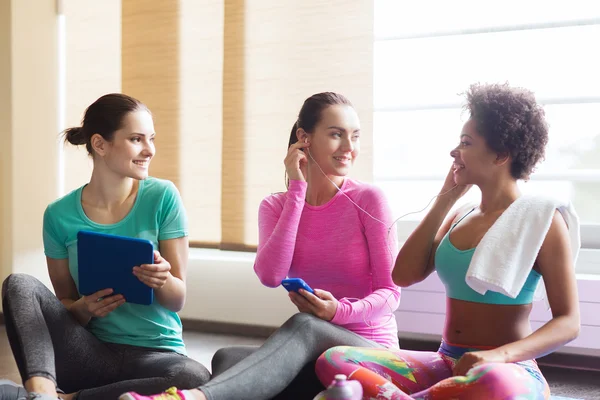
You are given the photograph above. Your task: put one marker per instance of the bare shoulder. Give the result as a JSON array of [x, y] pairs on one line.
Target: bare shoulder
[[557, 235]]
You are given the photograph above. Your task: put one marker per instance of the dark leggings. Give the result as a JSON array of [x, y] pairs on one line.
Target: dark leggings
[[48, 342], [306, 384], [267, 372]]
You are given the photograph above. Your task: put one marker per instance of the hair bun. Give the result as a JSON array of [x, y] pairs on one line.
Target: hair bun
[[75, 136]]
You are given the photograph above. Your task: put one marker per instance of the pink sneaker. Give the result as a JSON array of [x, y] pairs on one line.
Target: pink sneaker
[[169, 394]]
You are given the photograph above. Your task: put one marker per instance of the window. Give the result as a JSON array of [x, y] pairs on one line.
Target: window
[[427, 53]]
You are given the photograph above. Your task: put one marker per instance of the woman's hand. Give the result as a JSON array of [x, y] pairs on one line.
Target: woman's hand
[[322, 304], [99, 304], [154, 275], [296, 161], [451, 189], [476, 358]]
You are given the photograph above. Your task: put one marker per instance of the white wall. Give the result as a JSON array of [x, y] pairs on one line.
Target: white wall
[[28, 130]]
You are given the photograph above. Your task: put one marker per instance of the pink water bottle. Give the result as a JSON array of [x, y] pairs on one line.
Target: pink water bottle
[[341, 389]]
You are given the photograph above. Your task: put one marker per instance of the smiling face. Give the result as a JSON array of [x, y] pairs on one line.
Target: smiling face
[[335, 141], [132, 146], [474, 161]]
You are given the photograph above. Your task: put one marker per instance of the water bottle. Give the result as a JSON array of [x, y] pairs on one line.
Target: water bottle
[[341, 389]]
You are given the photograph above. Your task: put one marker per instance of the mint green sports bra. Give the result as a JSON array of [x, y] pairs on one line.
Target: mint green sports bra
[[452, 264]]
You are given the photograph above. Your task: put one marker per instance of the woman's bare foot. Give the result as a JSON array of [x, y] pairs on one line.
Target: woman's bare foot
[[198, 395], [41, 385]]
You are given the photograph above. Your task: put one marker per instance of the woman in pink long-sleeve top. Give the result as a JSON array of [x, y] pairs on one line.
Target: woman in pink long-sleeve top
[[334, 233], [321, 236]]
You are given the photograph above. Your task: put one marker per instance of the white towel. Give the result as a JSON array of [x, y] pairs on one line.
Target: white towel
[[505, 256]]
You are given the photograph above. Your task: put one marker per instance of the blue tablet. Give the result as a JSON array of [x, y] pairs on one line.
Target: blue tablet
[[107, 261]]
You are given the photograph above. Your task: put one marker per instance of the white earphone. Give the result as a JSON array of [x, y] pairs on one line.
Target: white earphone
[[389, 229]]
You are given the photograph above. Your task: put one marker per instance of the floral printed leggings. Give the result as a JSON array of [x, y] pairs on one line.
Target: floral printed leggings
[[410, 375]]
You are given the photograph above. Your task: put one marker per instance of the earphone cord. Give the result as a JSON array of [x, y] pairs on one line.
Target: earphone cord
[[389, 230]]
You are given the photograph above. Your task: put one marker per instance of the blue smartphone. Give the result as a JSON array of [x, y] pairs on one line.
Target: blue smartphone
[[295, 284]]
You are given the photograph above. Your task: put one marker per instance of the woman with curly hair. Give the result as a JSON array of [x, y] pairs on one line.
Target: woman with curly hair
[[488, 349]]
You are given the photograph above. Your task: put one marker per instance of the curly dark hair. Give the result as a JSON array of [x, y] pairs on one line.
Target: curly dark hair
[[511, 121]]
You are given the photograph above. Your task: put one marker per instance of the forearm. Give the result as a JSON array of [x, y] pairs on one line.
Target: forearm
[[381, 302], [172, 294], [413, 258], [76, 307], [554, 334]]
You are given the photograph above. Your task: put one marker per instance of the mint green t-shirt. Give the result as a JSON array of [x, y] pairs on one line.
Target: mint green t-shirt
[[157, 214]]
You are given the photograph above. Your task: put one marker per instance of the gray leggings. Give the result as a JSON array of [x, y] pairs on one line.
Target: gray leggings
[[269, 370], [305, 386], [48, 342]]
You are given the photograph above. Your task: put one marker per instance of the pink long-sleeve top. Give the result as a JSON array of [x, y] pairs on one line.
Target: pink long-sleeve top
[[338, 248]]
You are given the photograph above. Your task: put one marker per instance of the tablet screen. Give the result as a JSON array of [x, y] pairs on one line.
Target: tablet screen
[[107, 261]]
